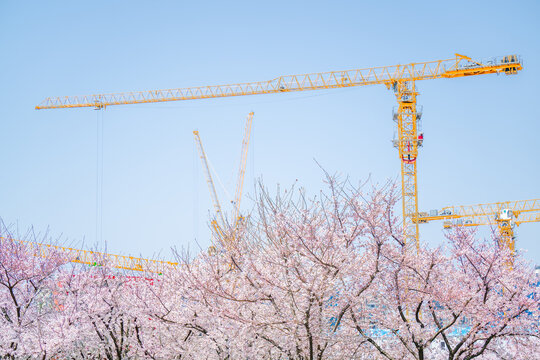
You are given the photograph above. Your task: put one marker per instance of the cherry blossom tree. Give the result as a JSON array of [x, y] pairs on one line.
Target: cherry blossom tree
[[28, 317], [326, 277], [105, 311], [296, 270], [174, 325], [330, 277], [458, 301]]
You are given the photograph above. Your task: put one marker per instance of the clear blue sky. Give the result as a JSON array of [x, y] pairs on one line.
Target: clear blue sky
[[481, 133]]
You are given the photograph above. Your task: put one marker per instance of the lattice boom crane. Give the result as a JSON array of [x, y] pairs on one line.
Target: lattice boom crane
[[209, 181], [505, 215], [226, 232], [400, 78]]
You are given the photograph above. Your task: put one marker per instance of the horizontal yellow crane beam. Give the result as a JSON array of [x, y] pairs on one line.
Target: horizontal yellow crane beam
[[528, 218], [450, 68], [484, 214], [96, 258], [491, 220]]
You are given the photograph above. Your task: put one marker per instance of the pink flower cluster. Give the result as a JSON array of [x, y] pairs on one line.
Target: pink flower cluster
[[327, 277]]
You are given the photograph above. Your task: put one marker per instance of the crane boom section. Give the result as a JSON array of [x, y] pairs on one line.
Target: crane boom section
[[504, 215], [242, 170], [480, 220], [528, 218], [450, 68], [209, 180], [96, 258], [482, 211]]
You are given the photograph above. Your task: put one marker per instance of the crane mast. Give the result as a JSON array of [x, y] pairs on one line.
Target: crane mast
[[242, 170], [209, 181], [400, 78], [407, 144], [223, 231]]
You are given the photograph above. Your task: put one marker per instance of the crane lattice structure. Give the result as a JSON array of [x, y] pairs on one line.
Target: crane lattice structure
[[504, 215], [225, 232], [210, 182], [237, 218], [400, 78], [96, 258]]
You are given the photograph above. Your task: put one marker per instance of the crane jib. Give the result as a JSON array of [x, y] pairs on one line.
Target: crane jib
[[388, 75]]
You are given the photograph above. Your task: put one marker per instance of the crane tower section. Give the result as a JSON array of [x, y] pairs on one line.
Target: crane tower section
[[407, 143]]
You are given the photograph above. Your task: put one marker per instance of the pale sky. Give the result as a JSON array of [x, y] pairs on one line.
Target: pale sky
[[481, 133]]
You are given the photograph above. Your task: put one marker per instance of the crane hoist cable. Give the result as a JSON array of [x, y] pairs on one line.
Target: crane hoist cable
[[100, 156]]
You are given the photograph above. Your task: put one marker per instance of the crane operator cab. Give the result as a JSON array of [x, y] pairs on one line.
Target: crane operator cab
[[510, 59], [505, 214], [505, 217]]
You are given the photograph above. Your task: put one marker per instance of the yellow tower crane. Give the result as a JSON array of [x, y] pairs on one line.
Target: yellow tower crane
[[505, 215], [227, 237], [400, 78]]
